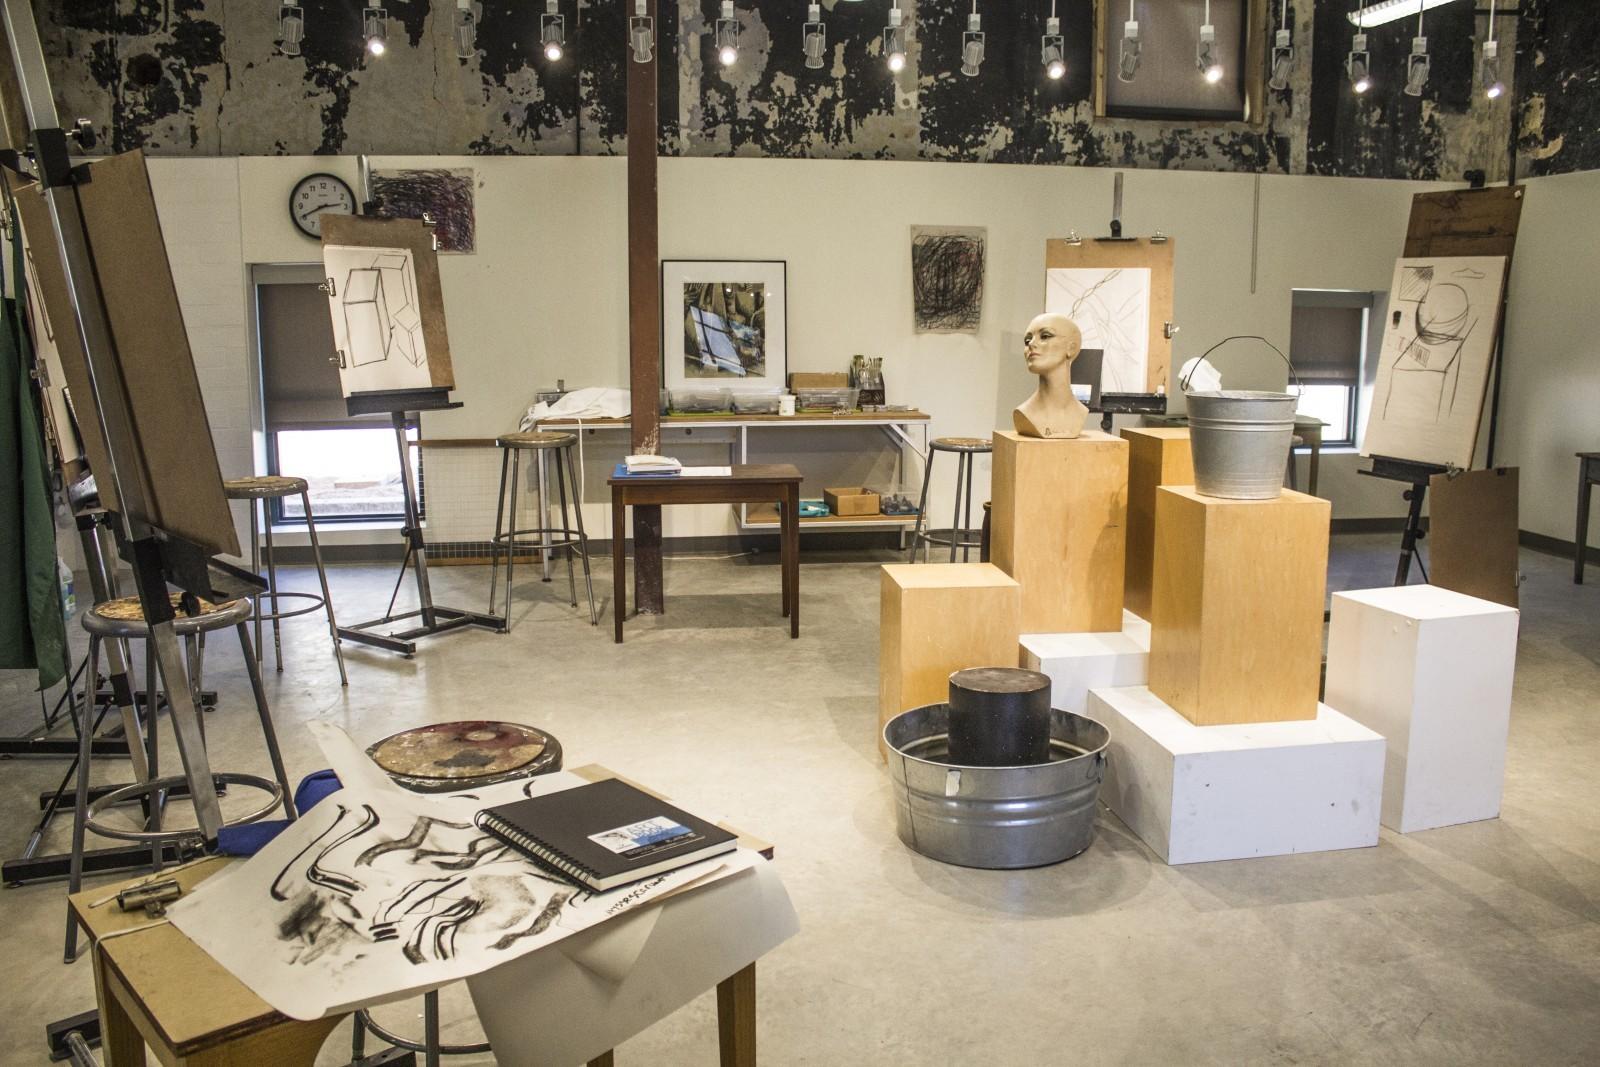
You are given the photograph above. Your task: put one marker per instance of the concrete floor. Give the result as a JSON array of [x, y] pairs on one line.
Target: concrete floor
[[1476, 943]]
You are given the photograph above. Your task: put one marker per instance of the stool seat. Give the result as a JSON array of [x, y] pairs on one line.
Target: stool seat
[[535, 439], [264, 486], [125, 617], [962, 444]]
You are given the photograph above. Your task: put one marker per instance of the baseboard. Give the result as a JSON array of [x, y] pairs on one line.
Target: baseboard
[[1378, 525], [1555, 546]]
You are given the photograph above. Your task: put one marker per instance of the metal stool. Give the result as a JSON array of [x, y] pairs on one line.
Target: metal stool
[[269, 487], [446, 758], [960, 535], [123, 620], [512, 445]]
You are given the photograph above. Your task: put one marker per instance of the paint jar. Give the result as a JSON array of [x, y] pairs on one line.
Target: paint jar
[[786, 404]]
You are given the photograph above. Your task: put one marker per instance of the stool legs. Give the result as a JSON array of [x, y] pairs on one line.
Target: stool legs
[[507, 529], [272, 590], [88, 722], [583, 538], [494, 545], [267, 731], [955, 519], [966, 514], [511, 542], [922, 511], [430, 1028], [255, 561], [327, 597], [561, 488]]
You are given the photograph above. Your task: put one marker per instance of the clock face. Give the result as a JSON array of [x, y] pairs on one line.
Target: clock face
[[317, 195]]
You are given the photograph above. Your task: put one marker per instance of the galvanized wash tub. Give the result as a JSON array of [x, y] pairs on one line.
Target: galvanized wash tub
[[1240, 441], [995, 817]]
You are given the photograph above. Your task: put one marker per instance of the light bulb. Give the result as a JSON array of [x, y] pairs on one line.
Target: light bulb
[[1052, 49], [894, 41], [375, 27], [553, 32], [1358, 64], [1128, 60], [1282, 61], [1205, 57], [291, 29], [815, 38], [727, 36], [972, 46], [1490, 71], [1417, 66], [641, 32]]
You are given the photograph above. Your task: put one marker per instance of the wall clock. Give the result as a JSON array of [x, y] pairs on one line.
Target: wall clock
[[316, 195]]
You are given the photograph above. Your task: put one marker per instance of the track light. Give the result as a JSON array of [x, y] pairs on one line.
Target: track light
[[466, 29], [1489, 67], [553, 31], [1128, 59], [641, 32], [727, 34], [1282, 51], [375, 28], [1417, 65], [894, 39], [1052, 47], [815, 38], [1205, 54], [1358, 64], [972, 44], [1377, 14], [291, 28]]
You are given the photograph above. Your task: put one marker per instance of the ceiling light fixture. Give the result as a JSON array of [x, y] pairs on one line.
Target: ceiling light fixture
[[1282, 50], [291, 28], [815, 38], [1358, 64], [375, 28], [1383, 11], [1418, 62], [553, 31], [727, 35], [1489, 69], [1205, 53], [1053, 47], [1128, 58], [894, 39], [972, 44], [466, 29], [641, 32]]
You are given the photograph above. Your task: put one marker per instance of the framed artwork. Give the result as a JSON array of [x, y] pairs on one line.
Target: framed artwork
[[724, 323]]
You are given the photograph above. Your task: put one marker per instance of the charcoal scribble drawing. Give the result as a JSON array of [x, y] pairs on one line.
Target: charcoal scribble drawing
[[947, 267], [1433, 367], [444, 195]]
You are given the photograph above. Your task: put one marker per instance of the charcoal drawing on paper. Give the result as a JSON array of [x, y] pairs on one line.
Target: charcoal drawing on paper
[[947, 266], [443, 195]]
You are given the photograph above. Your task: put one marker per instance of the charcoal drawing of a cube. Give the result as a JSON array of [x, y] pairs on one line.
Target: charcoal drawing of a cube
[[366, 316]]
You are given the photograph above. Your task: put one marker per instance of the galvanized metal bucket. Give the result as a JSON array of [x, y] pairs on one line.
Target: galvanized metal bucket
[[995, 817], [1240, 441]]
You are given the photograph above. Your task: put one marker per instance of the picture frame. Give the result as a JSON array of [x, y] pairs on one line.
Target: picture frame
[[724, 324]]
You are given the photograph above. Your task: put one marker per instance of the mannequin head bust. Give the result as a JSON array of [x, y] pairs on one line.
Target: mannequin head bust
[[1052, 342]]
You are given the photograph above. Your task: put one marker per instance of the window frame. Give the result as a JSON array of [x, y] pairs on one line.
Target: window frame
[[275, 504]]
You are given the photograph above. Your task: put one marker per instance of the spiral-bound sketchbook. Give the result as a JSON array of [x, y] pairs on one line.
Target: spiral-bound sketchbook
[[604, 834]]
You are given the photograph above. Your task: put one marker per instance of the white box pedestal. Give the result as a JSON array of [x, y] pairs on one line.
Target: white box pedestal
[[1431, 670], [1077, 663], [1199, 793]]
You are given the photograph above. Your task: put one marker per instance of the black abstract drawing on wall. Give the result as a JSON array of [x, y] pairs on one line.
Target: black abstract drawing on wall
[[445, 196], [947, 278]]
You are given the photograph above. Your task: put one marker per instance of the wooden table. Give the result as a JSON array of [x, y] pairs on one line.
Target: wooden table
[[1588, 476], [156, 987], [750, 483]]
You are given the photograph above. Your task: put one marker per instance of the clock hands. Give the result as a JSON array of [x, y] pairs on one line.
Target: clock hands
[[320, 207]]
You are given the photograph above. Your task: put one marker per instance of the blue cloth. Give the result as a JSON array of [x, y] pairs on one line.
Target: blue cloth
[[252, 838]]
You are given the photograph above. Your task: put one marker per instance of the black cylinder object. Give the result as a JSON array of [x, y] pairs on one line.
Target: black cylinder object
[[999, 717]]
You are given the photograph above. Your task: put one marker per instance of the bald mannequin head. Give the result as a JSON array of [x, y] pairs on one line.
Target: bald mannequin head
[[1052, 341]]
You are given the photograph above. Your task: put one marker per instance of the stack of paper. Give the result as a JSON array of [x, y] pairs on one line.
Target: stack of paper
[[645, 464]]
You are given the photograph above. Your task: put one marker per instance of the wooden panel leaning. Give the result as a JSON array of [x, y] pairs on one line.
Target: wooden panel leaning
[[1157, 456], [937, 619], [1059, 528], [1236, 616]]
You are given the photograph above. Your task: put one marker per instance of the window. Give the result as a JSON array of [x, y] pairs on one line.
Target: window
[[351, 465], [1327, 335], [1166, 82]]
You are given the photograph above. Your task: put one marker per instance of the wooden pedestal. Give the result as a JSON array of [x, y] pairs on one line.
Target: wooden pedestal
[[938, 618], [1059, 517], [1157, 456], [1236, 616]]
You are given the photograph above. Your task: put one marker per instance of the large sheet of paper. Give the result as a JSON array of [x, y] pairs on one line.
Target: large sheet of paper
[[1111, 306], [377, 894], [377, 319], [1433, 369]]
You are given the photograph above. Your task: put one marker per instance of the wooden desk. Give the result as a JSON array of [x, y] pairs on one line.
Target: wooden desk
[[748, 484], [1588, 476]]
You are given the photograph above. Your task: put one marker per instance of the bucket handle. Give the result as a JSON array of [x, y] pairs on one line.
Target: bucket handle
[[1183, 383]]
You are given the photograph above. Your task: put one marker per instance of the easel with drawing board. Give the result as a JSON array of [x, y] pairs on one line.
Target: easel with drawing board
[[1442, 344], [393, 354], [1119, 292]]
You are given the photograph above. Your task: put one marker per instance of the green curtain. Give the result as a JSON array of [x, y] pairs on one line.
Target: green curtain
[[32, 631]]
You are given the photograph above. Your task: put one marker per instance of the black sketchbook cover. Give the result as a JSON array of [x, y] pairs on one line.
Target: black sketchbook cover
[[605, 834]]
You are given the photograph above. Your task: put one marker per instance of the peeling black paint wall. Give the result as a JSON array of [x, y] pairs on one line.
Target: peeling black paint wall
[[203, 77]]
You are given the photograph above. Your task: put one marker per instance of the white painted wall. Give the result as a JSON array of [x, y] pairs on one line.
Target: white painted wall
[[545, 295], [1551, 395]]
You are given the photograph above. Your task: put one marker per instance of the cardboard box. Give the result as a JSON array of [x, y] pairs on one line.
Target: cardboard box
[[818, 380], [851, 500]]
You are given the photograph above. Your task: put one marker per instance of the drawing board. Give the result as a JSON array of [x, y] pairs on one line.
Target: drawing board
[[1120, 295], [1472, 533], [1433, 367], [385, 304]]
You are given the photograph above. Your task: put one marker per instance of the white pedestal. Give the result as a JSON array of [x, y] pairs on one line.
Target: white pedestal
[[1077, 663], [1199, 793], [1431, 670]]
